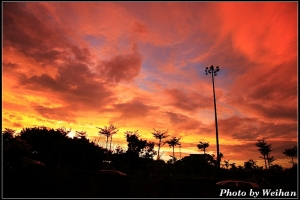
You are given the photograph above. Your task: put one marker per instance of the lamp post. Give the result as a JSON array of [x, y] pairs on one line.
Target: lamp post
[[213, 71]]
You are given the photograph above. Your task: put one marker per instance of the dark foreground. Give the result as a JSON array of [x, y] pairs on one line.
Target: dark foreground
[[66, 183]]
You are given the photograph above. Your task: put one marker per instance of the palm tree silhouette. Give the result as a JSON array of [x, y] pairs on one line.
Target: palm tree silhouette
[[108, 132], [172, 143], [160, 135], [203, 145], [265, 150]]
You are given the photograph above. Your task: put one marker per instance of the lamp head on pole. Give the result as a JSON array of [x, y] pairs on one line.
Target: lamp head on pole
[[213, 70]]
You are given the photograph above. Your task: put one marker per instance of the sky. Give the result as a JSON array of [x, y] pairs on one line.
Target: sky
[[141, 66]]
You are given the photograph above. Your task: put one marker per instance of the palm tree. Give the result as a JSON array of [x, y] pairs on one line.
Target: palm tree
[[160, 135], [265, 150], [203, 145], [113, 130], [108, 132], [291, 153], [172, 143]]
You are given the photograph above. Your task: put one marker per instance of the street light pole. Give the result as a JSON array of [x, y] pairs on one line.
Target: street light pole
[[213, 71]]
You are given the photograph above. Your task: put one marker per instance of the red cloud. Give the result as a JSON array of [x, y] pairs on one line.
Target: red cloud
[[60, 113], [122, 67], [190, 101]]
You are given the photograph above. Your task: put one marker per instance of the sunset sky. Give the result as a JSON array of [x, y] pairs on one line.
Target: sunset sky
[[141, 66]]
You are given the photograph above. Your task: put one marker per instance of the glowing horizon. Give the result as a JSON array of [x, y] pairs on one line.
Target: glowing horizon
[[140, 66]]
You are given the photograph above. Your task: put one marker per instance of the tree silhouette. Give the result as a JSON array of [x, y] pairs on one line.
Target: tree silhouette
[[148, 151], [226, 163], [81, 134], [203, 146], [292, 152], [276, 167], [8, 133], [172, 160], [119, 150], [197, 163], [250, 165], [63, 131], [135, 144], [232, 165], [172, 143], [160, 135], [108, 132], [15, 150], [45, 143], [139, 152], [54, 148], [265, 150]]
